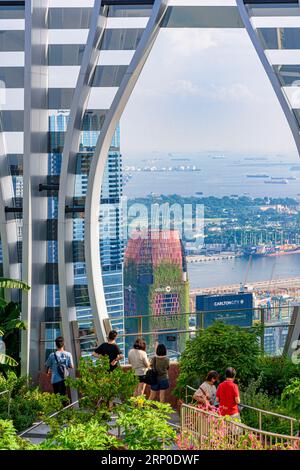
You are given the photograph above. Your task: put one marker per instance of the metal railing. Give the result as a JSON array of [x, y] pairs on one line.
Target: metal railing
[[8, 392], [261, 413], [209, 431], [36, 425]]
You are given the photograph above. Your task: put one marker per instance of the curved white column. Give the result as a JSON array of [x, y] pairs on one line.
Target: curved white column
[[67, 176], [92, 255], [286, 108]]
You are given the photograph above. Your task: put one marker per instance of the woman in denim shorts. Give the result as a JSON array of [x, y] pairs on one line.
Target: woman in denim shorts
[[161, 364]]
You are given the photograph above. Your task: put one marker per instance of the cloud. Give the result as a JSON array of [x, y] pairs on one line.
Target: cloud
[[183, 45], [212, 92]]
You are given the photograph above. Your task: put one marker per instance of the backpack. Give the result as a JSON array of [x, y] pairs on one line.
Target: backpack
[[151, 375], [62, 369]]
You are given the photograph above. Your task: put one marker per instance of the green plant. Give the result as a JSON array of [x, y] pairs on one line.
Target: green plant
[[145, 424], [216, 348], [4, 358], [10, 322], [82, 436], [254, 396], [9, 439], [276, 373], [291, 397], [99, 387], [27, 404]]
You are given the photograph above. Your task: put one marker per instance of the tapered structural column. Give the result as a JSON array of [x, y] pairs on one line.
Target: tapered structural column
[[35, 172], [92, 258], [68, 170]]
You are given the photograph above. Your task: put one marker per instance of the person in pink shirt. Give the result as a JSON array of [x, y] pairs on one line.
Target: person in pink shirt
[[228, 395]]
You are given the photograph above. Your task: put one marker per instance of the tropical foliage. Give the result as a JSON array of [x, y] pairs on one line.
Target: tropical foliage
[[145, 424], [216, 348], [99, 387], [25, 404], [82, 436], [10, 322]]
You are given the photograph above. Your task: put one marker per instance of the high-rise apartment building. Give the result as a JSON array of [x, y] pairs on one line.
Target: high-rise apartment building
[[157, 290]]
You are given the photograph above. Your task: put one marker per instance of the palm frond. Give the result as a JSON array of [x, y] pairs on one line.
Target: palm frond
[[7, 360], [7, 283]]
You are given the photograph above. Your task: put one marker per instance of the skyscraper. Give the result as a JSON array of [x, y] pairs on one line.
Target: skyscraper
[[156, 288]]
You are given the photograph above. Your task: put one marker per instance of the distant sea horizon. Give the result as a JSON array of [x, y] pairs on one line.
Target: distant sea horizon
[[220, 176]]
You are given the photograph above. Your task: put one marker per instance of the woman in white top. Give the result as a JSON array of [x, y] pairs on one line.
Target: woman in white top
[[138, 359], [206, 393]]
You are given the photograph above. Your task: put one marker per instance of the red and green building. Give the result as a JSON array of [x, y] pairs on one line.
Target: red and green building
[[156, 289]]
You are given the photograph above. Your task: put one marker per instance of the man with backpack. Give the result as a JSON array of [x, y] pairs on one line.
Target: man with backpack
[[59, 363]]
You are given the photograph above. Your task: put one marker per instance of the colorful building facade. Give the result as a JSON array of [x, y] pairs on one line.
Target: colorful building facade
[[157, 290]]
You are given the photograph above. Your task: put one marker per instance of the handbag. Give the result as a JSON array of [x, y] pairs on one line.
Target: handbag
[[61, 369], [151, 375]]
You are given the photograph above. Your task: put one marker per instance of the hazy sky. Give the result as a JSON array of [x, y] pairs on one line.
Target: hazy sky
[[204, 90]]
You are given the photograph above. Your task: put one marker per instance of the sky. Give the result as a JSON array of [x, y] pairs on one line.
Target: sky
[[204, 90]]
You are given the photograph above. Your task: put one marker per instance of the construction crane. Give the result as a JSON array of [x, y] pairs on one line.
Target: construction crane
[[243, 285]]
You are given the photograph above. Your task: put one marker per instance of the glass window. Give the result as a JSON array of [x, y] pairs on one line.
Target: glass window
[[13, 77], [60, 98], [109, 75], [65, 54], [51, 273], [81, 295], [280, 38], [121, 39], [130, 11], [12, 121], [11, 41], [297, 115], [51, 229], [69, 18], [12, 11], [288, 75]]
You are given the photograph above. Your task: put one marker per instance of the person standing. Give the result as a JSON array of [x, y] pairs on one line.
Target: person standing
[[110, 349], [138, 359], [58, 364], [228, 395], [206, 393], [161, 364]]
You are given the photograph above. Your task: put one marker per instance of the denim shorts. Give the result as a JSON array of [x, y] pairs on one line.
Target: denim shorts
[[161, 385]]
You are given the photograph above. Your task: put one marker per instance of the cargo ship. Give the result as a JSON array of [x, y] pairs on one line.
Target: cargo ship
[[265, 250], [258, 176], [279, 181], [280, 178]]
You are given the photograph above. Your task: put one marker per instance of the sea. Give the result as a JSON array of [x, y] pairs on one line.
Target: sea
[[222, 175]]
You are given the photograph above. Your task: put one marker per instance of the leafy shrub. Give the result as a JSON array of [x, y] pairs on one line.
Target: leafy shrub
[[145, 424], [291, 397], [253, 395], [216, 348], [27, 404], [276, 373], [9, 439], [99, 387], [88, 436]]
